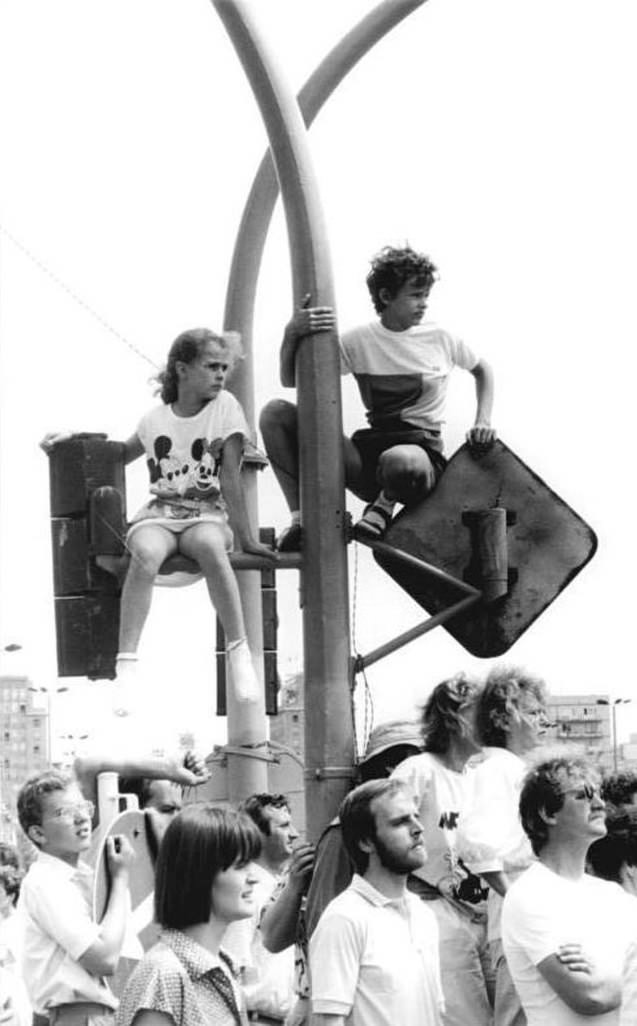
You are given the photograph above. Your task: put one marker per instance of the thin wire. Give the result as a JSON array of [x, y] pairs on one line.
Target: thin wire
[[78, 299], [368, 702]]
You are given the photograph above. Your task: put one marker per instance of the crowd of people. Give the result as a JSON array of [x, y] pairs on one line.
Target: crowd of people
[[469, 879], [473, 877]]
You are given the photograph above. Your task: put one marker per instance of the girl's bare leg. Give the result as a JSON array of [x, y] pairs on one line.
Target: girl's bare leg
[[206, 544], [149, 546]]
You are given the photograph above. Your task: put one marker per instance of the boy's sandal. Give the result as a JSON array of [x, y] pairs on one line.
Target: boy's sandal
[[373, 523]]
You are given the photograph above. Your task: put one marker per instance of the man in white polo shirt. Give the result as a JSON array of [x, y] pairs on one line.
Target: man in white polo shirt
[[374, 954]]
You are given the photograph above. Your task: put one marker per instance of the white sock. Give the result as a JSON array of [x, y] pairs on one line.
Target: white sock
[[241, 673], [126, 683], [384, 503]]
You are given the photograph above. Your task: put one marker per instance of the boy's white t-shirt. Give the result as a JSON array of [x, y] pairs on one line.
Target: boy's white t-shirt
[[404, 374]]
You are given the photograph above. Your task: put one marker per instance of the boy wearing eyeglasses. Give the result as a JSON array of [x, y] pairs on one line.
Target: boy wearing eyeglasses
[[66, 953]]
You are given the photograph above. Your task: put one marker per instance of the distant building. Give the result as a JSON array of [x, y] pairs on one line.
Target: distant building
[[24, 749], [288, 727], [287, 737], [584, 722], [628, 752]]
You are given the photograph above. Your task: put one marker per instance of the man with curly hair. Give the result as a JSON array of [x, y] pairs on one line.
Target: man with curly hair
[[566, 933], [402, 368]]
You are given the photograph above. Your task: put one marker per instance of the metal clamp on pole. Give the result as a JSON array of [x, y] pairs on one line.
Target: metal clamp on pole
[[330, 773], [248, 752]]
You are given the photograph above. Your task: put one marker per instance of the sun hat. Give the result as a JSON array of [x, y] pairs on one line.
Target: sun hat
[[388, 735]]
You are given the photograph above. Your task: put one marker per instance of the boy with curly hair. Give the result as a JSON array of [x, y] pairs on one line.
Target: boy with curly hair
[[402, 367]]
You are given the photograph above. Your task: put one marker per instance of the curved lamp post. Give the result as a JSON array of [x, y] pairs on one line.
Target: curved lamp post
[[329, 746]]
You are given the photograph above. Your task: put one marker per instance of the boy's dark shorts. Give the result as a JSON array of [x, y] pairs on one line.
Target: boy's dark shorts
[[371, 442]]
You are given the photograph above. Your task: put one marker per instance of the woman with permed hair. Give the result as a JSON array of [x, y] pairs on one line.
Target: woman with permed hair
[[203, 882], [441, 778], [511, 722], [193, 442]]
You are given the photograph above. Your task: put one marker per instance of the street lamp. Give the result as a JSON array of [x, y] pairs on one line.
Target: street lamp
[[48, 692], [70, 750], [613, 703]]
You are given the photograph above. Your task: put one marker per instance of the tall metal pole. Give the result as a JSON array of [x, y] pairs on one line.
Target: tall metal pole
[[328, 731], [246, 725], [257, 213]]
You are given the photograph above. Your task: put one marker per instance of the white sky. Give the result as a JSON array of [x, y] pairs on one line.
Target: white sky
[[496, 136]]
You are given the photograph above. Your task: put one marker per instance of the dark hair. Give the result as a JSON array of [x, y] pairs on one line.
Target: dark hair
[[501, 695], [141, 787], [381, 765], [10, 879], [543, 792], [255, 807], [394, 267], [618, 848], [201, 841], [619, 788], [188, 347], [9, 855], [441, 713], [357, 819], [33, 791]]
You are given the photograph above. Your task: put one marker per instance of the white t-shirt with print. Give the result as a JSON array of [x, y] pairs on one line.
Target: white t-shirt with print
[[441, 793], [543, 911], [183, 454], [404, 374], [490, 832]]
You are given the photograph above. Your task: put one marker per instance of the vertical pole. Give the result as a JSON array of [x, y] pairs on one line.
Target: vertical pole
[[248, 252], [615, 734], [329, 745]]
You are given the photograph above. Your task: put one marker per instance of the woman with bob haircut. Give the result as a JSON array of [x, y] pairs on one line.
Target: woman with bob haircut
[[441, 777], [203, 882]]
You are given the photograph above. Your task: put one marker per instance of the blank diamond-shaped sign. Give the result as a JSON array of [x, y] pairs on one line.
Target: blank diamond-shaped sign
[[141, 929], [547, 545]]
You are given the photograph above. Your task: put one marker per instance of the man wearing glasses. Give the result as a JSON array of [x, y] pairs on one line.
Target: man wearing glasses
[[67, 954], [566, 933]]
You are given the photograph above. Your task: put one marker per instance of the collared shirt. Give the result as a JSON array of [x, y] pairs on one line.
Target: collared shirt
[[267, 977], [180, 978], [375, 960], [56, 906]]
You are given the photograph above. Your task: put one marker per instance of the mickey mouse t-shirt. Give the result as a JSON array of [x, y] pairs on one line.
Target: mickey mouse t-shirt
[[184, 454]]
